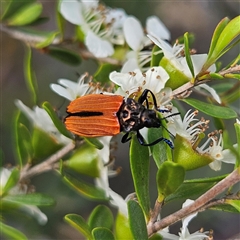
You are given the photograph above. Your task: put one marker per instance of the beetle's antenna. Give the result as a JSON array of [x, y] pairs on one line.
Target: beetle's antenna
[[171, 115]]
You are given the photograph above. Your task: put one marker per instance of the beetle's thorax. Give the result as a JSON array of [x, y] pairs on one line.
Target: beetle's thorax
[[134, 116]]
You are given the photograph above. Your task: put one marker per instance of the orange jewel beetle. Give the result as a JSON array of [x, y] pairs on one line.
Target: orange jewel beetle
[[97, 115]]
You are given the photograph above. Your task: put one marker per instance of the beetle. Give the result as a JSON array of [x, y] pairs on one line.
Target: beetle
[[97, 115]]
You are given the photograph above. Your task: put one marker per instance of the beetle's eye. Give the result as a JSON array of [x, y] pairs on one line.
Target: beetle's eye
[[125, 114]]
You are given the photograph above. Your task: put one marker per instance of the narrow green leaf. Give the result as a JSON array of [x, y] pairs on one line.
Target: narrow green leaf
[[225, 208], [101, 233], [234, 203], [232, 75], [12, 181], [64, 55], [218, 30], [35, 199], [237, 129], [101, 216], [25, 145], [215, 76], [24, 149], [46, 39], [79, 223], [13, 7], [26, 15], [11, 233], [159, 152], [57, 122], [212, 110], [122, 228], [30, 77], [228, 34], [139, 163], [94, 142], [86, 189], [190, 190], [187, 54], [137, 221], [170, 176]]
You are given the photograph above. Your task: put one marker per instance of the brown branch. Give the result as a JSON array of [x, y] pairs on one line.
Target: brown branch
[[47, 164], [229, 181]]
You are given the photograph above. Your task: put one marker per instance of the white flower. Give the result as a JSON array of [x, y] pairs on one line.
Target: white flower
[[118, 202], [71, 90], [154, 79], [104, 158], [186, 127], [136, 40], [40, 118], [215, 150], [100, 25], [210, 90], [184, 234], [20, 189], [173, 54]]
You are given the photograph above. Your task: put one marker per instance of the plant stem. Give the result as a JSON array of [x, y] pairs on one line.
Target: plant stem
[[47, 164]]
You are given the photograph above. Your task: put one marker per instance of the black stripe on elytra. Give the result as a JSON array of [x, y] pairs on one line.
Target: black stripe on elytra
[[85, 114]]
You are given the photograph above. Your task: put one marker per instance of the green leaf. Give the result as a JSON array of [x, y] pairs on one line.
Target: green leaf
[[85, 160], [101, 216], [46, 38], [159, 152], [101, 233], [24, 149], [122, 228], [85, 189], [43, 144], [30, 77], [190, 190], [187, 54], [223, 40], [79, 223], [94, 142], [221, 25], [12, 181], [170, 176], [139, 163], [11, 233], [212, 110], [26, 15], [137, 221], [25, 146], [237, 129], [228, 34], [35, 199], [225, 208], [14, 6], [64, 55], [234, 203], [57, 122], [102, 74]]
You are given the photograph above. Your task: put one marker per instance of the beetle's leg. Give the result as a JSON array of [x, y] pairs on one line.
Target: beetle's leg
[[142, 142], [143, 98], [125, 138]]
